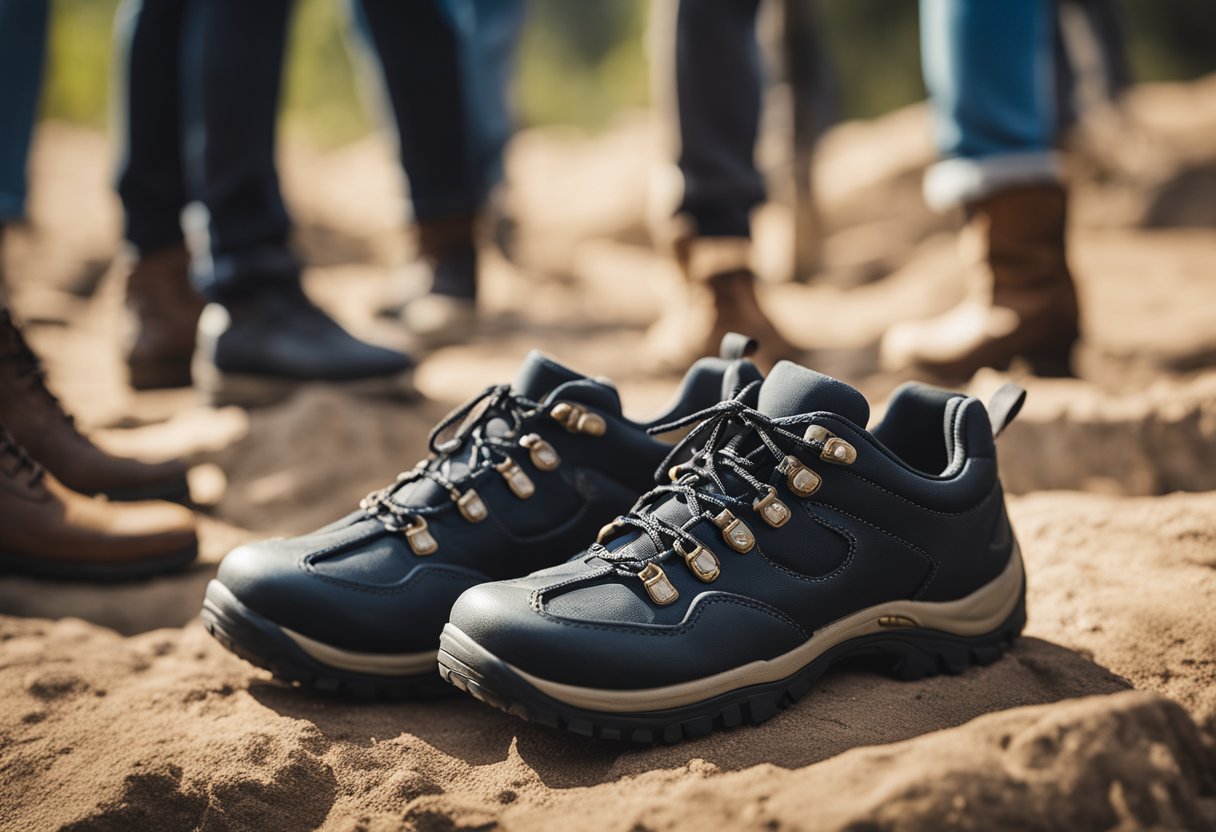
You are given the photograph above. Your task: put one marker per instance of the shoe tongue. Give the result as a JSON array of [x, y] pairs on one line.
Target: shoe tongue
[[790, 390], [540, 374]]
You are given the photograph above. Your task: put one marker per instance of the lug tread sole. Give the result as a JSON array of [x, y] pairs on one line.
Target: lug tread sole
[[906, 655], [259, 641]]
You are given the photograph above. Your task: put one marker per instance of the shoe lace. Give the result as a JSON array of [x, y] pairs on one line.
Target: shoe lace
[[465, 428], [12, 449], [28, 365], [724, 429]]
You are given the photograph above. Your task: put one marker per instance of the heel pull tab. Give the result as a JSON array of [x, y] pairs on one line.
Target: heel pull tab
[[1004, 406], [737, 346]]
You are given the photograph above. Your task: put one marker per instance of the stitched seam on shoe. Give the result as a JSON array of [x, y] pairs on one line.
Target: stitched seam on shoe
[[933, 563], [445, 572], [667, 629], [963, 513], [843, 532], [534, 596]]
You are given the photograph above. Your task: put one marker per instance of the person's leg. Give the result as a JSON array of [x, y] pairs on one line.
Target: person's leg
[[444, 65], [989, 69], [23, 31], [419, 49], [151, 179], [717, 73], [151, 185], [232, 69], [488, 60], [718, 96], [261, 337], [815, 106]]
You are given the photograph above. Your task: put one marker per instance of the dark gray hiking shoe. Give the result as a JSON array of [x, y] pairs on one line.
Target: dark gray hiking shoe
[[792, 539], [259, 348], [517, 479]]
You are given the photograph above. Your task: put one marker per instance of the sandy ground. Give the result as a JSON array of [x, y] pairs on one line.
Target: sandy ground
[[117, 711]]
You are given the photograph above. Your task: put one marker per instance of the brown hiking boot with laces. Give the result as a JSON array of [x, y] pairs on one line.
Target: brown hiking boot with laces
[[48, 530], [37, 420]]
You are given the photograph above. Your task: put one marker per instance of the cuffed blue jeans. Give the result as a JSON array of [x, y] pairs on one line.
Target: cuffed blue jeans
[[989, 66], [23, 31]]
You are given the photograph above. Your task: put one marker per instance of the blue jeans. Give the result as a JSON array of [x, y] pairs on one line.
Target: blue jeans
[[23, 28], [988, 65], [202, 81], [990, 69]]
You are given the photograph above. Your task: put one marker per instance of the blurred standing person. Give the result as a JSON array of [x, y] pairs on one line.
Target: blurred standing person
[[152, 187], [23, 32], [989, 66], [718, 84], [219, 63], [201, 81]]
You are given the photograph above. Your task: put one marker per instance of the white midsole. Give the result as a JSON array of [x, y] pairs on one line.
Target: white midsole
[[377, 664], [983, 611]]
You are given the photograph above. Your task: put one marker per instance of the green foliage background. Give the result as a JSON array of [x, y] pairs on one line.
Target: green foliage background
[[583, 60]]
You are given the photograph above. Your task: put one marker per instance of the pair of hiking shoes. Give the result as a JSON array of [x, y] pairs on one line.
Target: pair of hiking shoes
[[775, 538]]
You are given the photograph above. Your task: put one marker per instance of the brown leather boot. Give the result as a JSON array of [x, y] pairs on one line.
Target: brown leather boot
[[1021, 302], [38, 421], [166, 309], [719, 297], [51, 531]]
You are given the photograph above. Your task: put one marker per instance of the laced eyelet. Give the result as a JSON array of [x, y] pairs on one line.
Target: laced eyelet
[[420, 538], [801, 480], [579, 419], [735, 532], [838, 452], [817, 433], [701, 561], [520, 483], [658, 586], [471, 506], [835, 450], [544, 456], [771, 509], [608, 531]]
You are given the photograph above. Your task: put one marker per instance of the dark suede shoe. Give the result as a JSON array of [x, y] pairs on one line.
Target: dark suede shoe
[[258, 348], [793, 539], [517, 480]]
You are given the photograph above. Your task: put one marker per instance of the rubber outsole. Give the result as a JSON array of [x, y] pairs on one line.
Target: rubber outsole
[[907, 654], [220, 389], [142, 570], [261, 642]]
